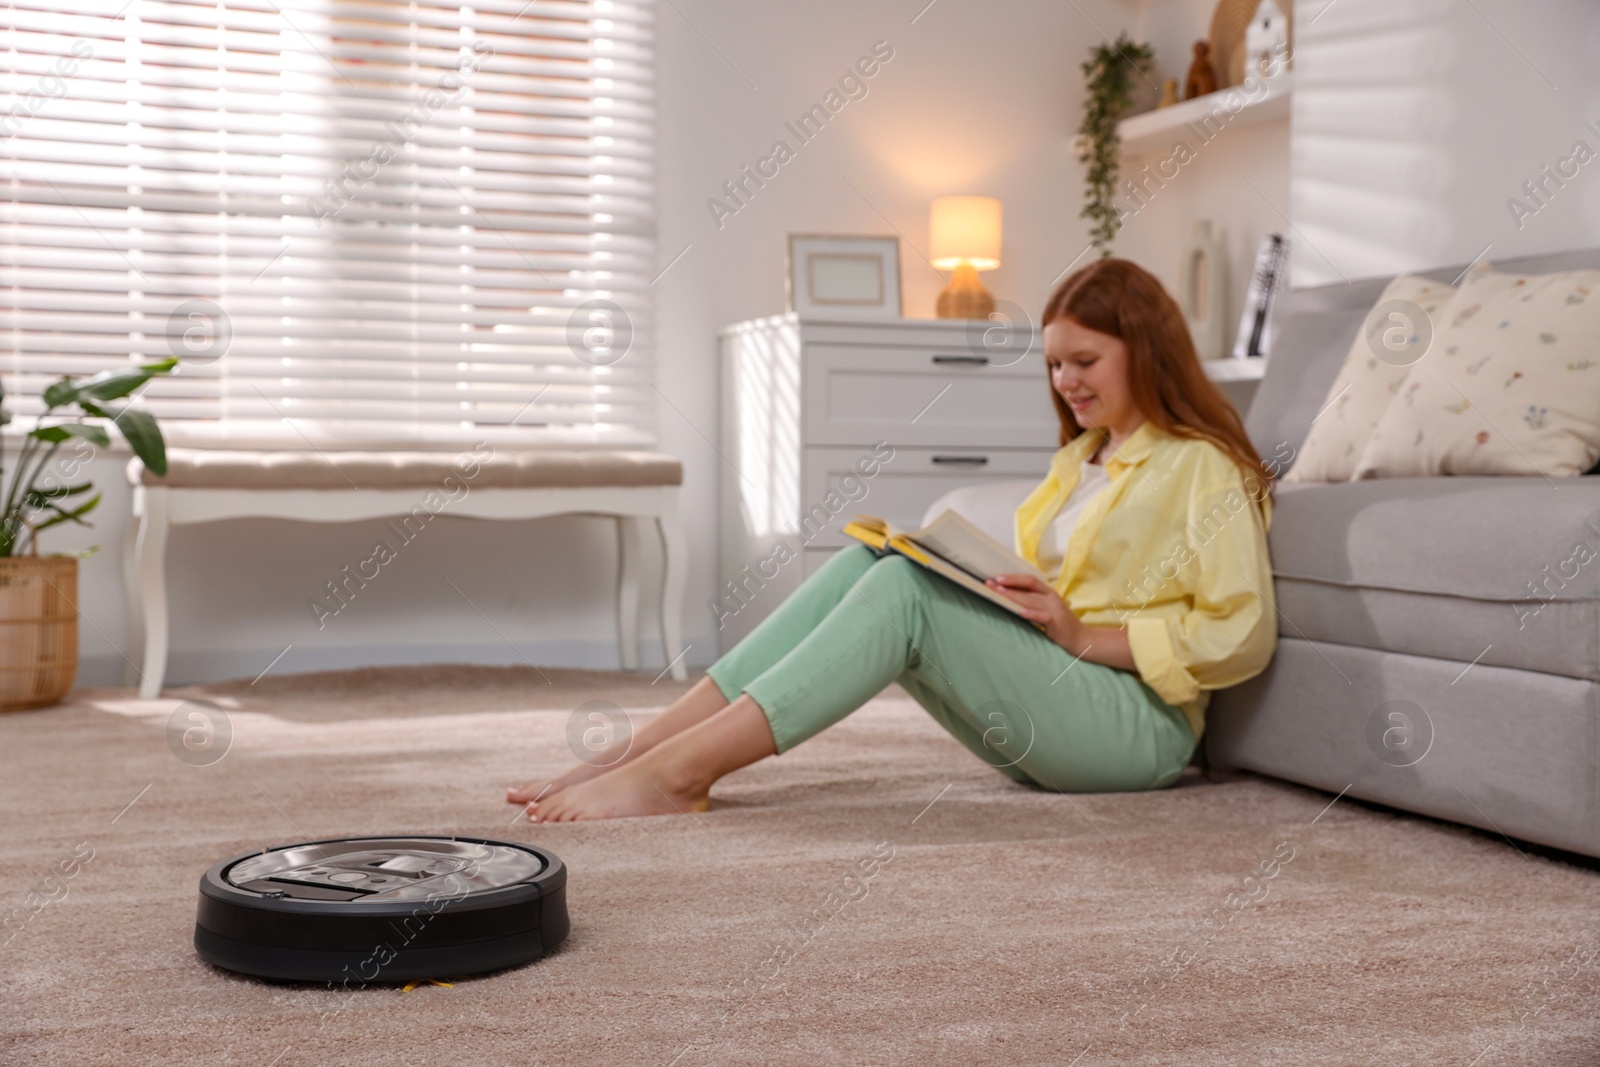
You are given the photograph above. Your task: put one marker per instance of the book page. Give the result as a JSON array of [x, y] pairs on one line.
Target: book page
[[879, 535], [944, 568], [962, 543]]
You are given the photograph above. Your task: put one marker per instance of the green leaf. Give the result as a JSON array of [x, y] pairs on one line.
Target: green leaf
[[82, 553], [37, 498], [95, 435], [144, 437], [75, 515], [53, 434], [58, 393], [109, 385]]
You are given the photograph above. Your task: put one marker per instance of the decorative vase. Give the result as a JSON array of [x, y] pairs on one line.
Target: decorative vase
[[1204, 292], [38, 630], [1144, 91]]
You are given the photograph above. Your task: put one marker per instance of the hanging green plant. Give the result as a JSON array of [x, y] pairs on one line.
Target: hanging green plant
[[1109, 74]]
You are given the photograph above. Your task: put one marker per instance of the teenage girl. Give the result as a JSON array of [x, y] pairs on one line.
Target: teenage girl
[[1152, 524]]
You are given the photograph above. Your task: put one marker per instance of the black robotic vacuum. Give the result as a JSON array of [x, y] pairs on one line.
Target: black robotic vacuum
[[382, 909]]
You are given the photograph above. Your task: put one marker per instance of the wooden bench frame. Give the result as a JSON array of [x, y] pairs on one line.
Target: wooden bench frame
[[156, 509]]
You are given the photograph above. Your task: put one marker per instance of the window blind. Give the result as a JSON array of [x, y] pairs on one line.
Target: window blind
[[352, 220]]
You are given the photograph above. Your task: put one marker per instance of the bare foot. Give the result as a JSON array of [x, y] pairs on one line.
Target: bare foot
[[640, 787], [544, 787], [536, 790], [702, 702]]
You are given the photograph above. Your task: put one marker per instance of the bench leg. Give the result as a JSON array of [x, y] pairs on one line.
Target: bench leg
[[630, 547], [150, 554], [675, 558]]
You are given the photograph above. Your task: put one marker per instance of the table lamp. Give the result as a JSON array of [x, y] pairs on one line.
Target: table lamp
[[964, 235]]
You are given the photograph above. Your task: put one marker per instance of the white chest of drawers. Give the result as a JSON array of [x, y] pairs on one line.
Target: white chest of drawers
[[810, 407]]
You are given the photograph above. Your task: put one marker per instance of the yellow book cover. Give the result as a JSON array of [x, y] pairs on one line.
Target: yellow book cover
[[951, 547]]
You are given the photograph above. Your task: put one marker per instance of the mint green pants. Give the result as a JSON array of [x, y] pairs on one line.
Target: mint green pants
[[1020, 702]]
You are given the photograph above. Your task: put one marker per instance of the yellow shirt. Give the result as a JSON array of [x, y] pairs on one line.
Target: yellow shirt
[[1175, 549]]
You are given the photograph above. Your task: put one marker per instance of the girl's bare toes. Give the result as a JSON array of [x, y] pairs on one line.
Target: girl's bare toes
[[527, 794], [547, 810]]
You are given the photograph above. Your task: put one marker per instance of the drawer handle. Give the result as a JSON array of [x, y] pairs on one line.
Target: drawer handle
[[981, 361], [961, 461]]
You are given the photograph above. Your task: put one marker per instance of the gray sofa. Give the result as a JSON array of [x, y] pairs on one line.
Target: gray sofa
[[1439, 638]]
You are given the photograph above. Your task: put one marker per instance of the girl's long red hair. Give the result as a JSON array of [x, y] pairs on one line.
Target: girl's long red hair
[[1122, 299]]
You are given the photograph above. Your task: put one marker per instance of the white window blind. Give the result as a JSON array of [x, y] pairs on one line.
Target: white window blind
[[354, 220]]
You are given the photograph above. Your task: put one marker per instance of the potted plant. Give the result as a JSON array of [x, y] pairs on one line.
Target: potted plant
[[1109, 96], [39, 594]]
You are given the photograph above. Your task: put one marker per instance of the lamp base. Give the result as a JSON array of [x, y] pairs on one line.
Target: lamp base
[[965, 297]]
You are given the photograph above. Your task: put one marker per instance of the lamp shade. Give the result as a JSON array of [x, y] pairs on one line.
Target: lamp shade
[[965, 228]]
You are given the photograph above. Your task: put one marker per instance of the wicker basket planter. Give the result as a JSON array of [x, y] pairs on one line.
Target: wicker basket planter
[[38, 630]]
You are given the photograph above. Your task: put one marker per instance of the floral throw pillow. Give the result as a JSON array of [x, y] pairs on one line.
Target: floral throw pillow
[[1391, 339], [1510, 384]]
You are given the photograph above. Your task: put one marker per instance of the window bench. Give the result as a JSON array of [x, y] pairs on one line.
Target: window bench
[[208, 485]]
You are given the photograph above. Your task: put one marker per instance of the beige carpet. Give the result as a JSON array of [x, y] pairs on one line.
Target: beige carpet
[[999, 924]]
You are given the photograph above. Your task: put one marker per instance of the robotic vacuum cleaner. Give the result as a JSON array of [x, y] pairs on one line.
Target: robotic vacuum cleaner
[[382, 909]]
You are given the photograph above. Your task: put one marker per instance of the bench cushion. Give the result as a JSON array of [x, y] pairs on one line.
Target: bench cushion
[[200, 468]]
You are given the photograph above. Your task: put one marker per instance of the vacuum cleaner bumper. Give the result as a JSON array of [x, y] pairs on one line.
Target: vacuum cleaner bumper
[[382, 909]]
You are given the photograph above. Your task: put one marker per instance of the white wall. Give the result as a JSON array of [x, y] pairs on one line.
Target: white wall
[[976, 99], [1417, 120]]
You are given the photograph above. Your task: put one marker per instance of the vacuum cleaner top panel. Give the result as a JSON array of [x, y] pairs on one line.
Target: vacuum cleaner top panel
[[385, 870]]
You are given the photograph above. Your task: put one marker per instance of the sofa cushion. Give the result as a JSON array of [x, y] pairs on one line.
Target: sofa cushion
[[1446, 567], [1511, 384], [193, 468], [1374, 368], [1320, 324]]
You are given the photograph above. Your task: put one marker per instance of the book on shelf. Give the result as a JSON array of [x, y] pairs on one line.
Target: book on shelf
[[1269, 283], [951, 547]]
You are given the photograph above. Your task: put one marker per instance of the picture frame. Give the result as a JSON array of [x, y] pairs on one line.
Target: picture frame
[[844, 277]]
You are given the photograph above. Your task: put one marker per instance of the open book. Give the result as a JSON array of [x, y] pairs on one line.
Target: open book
[[952, 547]]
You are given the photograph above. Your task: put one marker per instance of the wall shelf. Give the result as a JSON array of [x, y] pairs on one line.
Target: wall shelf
[[1159, 130]]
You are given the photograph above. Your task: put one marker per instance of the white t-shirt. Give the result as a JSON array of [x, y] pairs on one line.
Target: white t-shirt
[[1053, 543]]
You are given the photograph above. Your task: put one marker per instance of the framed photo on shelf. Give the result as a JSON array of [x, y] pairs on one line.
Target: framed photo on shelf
[[842, 277]]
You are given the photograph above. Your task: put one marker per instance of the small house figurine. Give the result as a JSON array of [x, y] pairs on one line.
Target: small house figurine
[[1266, 41]]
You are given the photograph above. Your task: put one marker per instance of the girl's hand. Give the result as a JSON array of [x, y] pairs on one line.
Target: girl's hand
[[1042, 605]]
